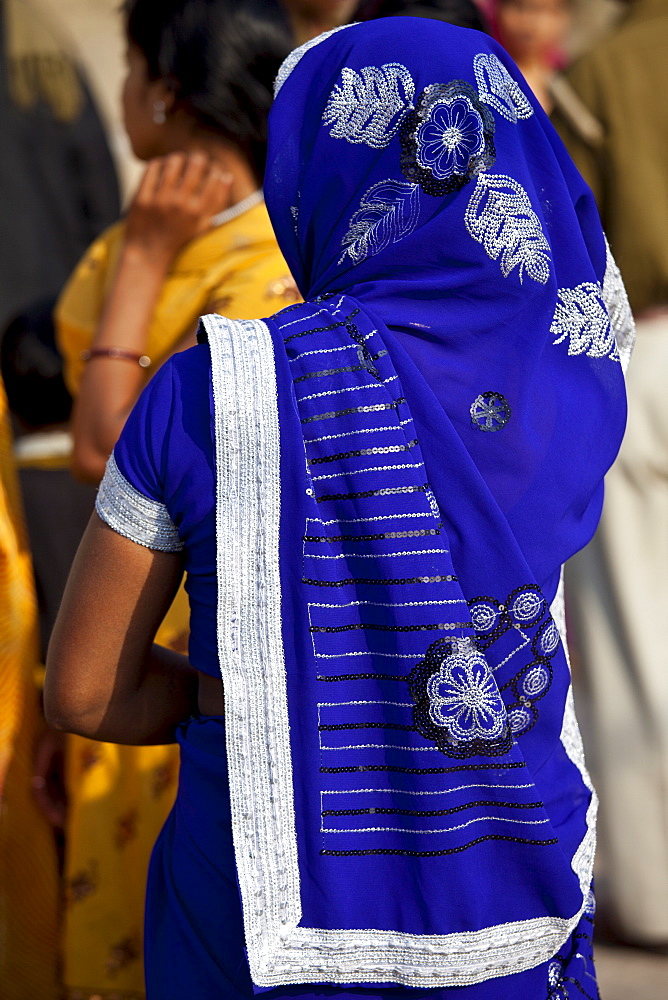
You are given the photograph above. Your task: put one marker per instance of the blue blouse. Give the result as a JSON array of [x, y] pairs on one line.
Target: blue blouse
[[173, 415]]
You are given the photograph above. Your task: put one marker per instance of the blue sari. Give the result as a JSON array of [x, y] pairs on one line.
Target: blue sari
[[393, 474]]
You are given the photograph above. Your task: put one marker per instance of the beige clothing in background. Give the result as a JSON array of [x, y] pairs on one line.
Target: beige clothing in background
[[623, 83], [617, 589], [618, 601]]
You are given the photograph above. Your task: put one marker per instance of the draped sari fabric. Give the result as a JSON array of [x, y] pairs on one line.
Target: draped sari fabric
[[405, 461]]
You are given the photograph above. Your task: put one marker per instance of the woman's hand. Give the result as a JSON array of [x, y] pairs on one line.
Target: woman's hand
[[178, 196], [48, 782], [176, 200]]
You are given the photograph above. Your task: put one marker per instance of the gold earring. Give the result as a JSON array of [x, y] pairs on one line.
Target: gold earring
[[159, 112]]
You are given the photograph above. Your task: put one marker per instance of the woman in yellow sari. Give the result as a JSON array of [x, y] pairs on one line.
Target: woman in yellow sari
[[28, 870], [196, 239]]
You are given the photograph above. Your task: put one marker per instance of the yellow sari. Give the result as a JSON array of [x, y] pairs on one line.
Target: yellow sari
[[28, 869], [120, 796]]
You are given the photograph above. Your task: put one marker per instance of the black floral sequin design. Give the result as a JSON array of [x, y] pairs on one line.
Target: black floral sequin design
[[447, 139], [525, 610], [458, 705]]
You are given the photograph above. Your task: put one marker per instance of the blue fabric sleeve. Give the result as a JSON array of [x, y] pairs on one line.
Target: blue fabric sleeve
[[163, 489], [143, 444]]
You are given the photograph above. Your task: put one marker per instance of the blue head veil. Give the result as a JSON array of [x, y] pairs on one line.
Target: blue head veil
[[450, 396]]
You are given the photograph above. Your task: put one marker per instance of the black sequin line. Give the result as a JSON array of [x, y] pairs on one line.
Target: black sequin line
[[384, 491], [397, 769], [380, 536], [337, 727], [320, 329], [362, 677], [362, 626], [389, 449], [369, 408], [426, 813], [365, 356], [384, 582], [448, 850], [324, 372]]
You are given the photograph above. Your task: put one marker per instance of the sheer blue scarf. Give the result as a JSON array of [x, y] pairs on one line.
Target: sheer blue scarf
[[449, 395]]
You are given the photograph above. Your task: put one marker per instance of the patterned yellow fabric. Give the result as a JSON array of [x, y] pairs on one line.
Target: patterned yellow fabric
[[28, 872], [120, 796], [235, 269]]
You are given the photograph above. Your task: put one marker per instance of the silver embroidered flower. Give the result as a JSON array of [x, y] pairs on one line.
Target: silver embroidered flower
[[368, 107], [464, 697], [447, 140]]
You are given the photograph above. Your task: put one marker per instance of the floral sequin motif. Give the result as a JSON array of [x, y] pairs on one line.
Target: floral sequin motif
[[526, 616], [581, 318], [500, 216], [497, 88], [457, 702], [448, 139], [490, 411], [388, 212], [368, 107]]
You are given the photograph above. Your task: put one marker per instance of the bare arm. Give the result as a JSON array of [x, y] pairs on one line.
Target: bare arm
[[176, 199], [105, 679]]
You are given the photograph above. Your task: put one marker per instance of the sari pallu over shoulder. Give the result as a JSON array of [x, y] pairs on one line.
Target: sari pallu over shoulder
[[383, 751], [404, 461]]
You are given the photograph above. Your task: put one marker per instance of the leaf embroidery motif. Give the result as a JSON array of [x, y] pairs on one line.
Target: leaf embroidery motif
[[619, 310], [369, 106], [582, 318], [499, 215], [497, 88], [388, 212]]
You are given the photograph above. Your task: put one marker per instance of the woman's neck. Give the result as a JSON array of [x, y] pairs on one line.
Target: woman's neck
[[230, 160]]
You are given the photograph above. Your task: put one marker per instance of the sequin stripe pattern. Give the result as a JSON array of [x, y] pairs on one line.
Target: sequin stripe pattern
[[258, 730], [390, 630]]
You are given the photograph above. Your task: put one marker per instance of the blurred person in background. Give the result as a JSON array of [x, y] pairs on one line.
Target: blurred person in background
[[58, 190], [533, 32], [302, 20], [464, 13], [56, 506], [57, 178], [618, 586], [196, 238], [28, 868]]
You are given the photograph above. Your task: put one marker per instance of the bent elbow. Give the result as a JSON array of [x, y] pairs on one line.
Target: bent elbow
[[61, 713], [70, 708]]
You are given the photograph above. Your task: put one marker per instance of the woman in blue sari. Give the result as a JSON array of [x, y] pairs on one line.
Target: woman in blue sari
[[372, 494]]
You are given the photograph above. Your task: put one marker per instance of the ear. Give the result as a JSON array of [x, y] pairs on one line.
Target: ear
[[164, 93]]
